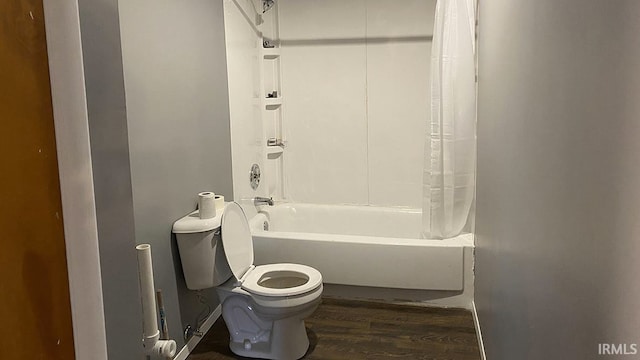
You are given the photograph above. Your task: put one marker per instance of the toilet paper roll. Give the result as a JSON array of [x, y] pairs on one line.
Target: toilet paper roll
[[219, 204], [206, 205]]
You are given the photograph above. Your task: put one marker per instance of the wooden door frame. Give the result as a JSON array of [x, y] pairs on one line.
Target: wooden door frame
[[70, 116]]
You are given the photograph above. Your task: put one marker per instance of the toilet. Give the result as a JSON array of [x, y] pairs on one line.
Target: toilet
[[263, 306]]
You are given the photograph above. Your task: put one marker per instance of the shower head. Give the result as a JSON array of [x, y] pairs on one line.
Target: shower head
[[267, 5]]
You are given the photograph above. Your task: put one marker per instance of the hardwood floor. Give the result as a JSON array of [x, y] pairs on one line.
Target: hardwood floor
[[349, 329]]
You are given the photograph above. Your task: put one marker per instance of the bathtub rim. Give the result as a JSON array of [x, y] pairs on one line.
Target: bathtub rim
[[462, 240], [257, 231]]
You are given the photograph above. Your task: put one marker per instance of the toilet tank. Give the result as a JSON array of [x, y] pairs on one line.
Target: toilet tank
[[203, 260]]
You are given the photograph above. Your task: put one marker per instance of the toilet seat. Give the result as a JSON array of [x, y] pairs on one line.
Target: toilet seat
[[254, 281], [238, 248]]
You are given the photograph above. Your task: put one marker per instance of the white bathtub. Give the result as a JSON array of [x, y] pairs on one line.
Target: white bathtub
[[360, 245]]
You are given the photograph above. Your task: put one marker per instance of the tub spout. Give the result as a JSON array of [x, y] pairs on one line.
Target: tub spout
[[262, 201]]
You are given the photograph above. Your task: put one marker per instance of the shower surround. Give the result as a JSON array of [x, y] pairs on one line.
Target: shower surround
[[352, 82], [355, 78]]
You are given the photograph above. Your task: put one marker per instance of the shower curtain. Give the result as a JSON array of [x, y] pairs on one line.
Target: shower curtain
[[450, 148]]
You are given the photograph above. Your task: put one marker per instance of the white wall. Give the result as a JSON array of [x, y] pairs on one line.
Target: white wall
[[243, 44], [558, 201], [355, 78]]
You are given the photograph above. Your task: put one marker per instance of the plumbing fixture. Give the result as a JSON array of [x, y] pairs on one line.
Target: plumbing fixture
[[150, 334], [254, 176], [257, 201], [189, 332]]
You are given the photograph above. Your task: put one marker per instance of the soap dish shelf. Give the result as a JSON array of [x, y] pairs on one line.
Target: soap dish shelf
[[274, 150], [271, 53], [273, 102]]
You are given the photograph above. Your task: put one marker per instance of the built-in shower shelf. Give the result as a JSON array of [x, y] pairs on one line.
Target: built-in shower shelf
[[274, 150], [271, 53], [273, 102]]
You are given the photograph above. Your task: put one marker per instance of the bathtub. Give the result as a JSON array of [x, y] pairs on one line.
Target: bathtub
[[360, 245]]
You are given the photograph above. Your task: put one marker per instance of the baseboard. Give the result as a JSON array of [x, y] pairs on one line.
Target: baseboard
[[191, 344], [476, 323]]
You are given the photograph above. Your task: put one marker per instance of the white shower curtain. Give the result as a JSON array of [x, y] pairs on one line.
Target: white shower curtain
[[450, 149]]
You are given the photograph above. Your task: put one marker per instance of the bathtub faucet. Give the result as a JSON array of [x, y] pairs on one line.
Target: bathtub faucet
[[262, 201]]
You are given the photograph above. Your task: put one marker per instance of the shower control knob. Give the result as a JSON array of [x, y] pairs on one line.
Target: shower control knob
[[254, 176]]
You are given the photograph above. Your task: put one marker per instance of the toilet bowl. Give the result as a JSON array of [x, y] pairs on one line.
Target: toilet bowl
[[263, 306], [268, 322]]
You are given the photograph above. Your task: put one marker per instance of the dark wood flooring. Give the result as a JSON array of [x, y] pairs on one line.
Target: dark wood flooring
[[348, 329]]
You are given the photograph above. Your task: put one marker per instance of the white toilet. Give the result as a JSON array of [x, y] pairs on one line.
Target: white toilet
[[263, 306]]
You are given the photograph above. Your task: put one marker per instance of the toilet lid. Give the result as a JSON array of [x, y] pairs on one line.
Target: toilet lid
[[236, 239]]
